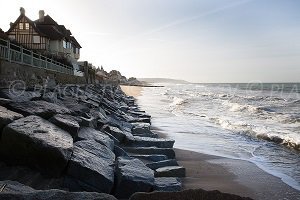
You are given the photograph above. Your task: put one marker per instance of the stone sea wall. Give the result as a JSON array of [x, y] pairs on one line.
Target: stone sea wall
[[83, 142], [83, 138], [10, 72]]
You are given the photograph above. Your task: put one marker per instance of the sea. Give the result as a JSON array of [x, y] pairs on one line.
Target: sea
[[257, 122]]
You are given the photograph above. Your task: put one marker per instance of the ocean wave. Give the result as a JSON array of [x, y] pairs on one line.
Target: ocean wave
[[236, 107], [177, 101], [296, 101], [290, 140]]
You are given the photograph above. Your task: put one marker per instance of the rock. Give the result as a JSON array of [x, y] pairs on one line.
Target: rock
[[116, 141], [143, 130], [152, 158], [120, 152], [41, 108], [132, 176], [98, 149], [15, 190], [86, 133], [150, 142], [141, 120], [140, 128], [74, 107], [7, 116], [187, 195], [14, 187], [164, 163], [4, 101], [88, 121], [113, 120], [116, 132], [91, 170], [17, 95], [35, 142], [67, 123], [170, 171], [169, 152], [167, 184], [29, 177]]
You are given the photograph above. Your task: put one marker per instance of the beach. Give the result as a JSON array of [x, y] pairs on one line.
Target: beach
[[227, 175]]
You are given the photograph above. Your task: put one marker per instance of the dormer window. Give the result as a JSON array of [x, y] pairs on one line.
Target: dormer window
[[21, 26]]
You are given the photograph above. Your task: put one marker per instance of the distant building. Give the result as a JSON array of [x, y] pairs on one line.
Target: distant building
[[88, 71], [3, 35], [44, 35], [101, 75]]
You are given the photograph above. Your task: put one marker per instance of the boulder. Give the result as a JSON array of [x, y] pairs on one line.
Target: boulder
[[170, 171], [143, 130], [152, 158], [98, 149], [87, 133], [4, 101], [139, 128], [187, 195], [164, 163], [74, 107], [169, 152], [7, 116], [116, 132], [14, 187], [19, 95], [41, 108], [35, 142], [120, 152], [88, 121], [89, 172], [150, 142], [67, 123], [132, 176], [15, 190], [167, 184]]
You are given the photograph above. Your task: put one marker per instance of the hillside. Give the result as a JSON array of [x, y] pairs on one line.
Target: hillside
[[163, 80]]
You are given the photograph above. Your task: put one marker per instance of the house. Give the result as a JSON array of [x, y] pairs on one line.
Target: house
[[45, 35], [101, 75], [3, 35], [88, 71]]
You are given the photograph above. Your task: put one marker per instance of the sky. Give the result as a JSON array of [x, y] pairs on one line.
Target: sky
[[194, 40]]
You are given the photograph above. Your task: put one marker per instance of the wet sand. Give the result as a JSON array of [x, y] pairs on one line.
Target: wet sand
[[134, 91], [226, 175]]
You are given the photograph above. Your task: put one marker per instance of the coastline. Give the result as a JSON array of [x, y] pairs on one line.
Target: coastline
[[228, 175]]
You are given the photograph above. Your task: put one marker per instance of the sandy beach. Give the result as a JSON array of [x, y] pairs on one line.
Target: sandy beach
[[134, 91], [226, 175]]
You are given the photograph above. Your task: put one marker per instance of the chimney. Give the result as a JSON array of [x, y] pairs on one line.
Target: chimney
[[11, 24], [41, 15], [22, 11]]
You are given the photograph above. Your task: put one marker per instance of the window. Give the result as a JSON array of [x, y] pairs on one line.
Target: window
[[27, 26], [21, 26], [64, 44], [12, 37], [69, 46], [77, 50], [36, 39]]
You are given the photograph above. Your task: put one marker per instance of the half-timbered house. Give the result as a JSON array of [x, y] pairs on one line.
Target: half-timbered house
[[44, 35]]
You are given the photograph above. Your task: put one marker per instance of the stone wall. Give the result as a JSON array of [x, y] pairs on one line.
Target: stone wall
[[32, 75]]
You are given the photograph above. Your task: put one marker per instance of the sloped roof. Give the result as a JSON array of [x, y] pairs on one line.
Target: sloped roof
[[49, 28], [29, 21]]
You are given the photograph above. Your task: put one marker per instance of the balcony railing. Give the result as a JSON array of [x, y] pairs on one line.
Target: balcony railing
[[20, 55]]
